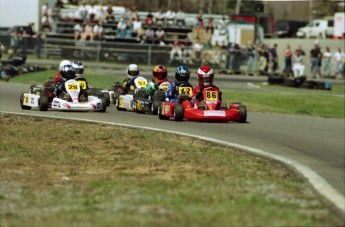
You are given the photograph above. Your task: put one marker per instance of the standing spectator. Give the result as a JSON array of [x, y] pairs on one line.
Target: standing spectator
[[159, 35], [170, 16], [77, 31], [326, 56], [98, 31], [110, 16], [237, 52], [149, 35], [250, 57], [339, 62], [149, 19], [14, 44], [2, 49], [180, 18], [298, 64], [160, 17], [38, 44], [210, 25], [197, 49], [273, 56], [26, 38], [121, 29], [83, 12], [176, 48], [314, 58], [301, 50], [263, 60], [187, 50], [222, 23], [320, 63], [288, 60], [88, 31]]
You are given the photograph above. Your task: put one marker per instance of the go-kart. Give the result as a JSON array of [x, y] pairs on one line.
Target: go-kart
[[124, 101], [71, 99], [210, 108], [143, 103]]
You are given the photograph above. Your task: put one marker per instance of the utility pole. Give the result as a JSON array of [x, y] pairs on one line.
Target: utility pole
[[238, 7], [311, 11]]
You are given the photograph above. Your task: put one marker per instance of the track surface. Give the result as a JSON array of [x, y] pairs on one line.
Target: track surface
[[313, 141]]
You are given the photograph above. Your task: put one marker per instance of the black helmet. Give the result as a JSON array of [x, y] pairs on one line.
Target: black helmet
[[68, 72], [78, 67], [182, 74]]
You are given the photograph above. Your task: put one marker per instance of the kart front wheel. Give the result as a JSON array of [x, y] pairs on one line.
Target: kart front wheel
[[154, 107], [160, 113], [104, 105], [43, 103], [243, 114], [107, 98], [22, 103], [178, 112]]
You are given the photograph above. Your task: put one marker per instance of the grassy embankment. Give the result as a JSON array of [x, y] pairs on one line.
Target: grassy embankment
[[65, 173]]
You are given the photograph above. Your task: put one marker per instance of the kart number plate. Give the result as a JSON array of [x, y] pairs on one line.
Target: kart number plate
[[82, 84], [216, 113], [164, 86], [72, 87], [211, 96], [141, 83], [185, 91]]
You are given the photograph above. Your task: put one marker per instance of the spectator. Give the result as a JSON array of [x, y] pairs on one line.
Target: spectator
[[176, 48], [263, 60], [170, 16], [301, 50], [339, 62], [180, 18], [200, 20], [134, 13], [159, 35], [60, 4], [250, 57], [45, 24], [197, 49], [137, 24], [237, 52], [149, 35], [88, 31], [121, 29], [149, 19], [314, 58], [160, 17], [83, 12], [56, 13], [110, 16], [273, 57], [320, 63], [14, 43], [210, 25], [98, 31], [92, 13], [38, 44], [298, 64], [222, 23], [2, 49], [26, 39], [288, 60], [141, 35], [77, 31], [187, 50], [326, 56], [45, 8]]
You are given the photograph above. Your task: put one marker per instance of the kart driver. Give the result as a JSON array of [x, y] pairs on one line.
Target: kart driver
[[132, 72], [66, 73], [79, 73], [58, 75], [205, 79], [182, 75], [160, 75]]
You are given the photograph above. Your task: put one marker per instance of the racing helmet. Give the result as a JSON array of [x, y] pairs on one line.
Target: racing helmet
[[67, 72], [159, 73], [182, 74], [205, 76], [78, 67], [132, 71], [63, 63]]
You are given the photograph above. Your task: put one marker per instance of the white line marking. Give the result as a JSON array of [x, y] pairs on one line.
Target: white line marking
[[318, 182]]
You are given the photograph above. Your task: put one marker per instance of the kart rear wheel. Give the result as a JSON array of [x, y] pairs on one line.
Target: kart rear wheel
[[107, 98], [22, 103], [43, 103], [160, 113], [178, 112], [154, 107], [104, 105], [243, 114]]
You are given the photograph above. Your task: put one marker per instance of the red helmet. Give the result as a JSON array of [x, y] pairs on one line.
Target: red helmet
[[205, 76], [159, 73]]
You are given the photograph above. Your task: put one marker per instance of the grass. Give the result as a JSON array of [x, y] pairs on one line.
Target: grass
[[56, 172], [282, 100]]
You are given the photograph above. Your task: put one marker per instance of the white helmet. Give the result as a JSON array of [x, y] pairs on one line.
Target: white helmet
[[132, 71], [78, 67], [63, 63]]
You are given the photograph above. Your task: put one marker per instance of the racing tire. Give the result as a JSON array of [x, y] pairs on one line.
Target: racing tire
[[178, 112], [104, 105], [43, 103], [160, 114], [154, 107], [243, 114], [22, 103], [107, 98]]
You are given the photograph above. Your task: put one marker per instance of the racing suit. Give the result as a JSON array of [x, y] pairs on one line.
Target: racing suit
[[197, 94], [128, 84], [152, 86], [172, 93], [59, 84]]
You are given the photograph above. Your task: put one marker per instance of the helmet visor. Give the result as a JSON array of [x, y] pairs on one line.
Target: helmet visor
[[160, 75], [133, 72]]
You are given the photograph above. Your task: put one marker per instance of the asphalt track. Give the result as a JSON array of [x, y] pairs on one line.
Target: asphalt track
[[312, 145]]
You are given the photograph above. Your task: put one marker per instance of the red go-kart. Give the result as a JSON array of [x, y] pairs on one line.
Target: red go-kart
[[211, 108]]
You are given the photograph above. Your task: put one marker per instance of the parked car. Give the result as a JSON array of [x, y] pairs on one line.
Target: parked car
[[287, 28], [317, 28]]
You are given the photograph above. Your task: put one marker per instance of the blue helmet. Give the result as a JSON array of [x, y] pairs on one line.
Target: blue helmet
[[182, 74]]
